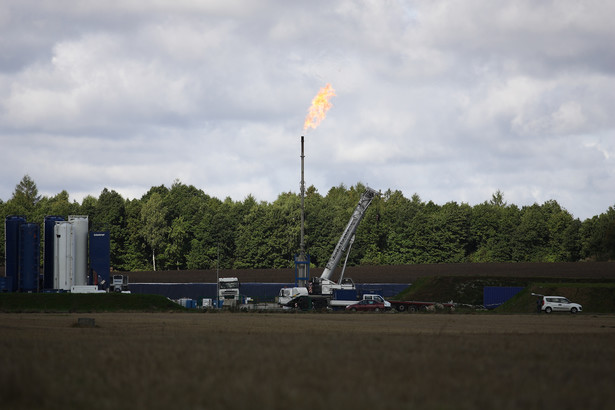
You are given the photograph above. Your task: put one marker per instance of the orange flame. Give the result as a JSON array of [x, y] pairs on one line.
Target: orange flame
[[319, 108]]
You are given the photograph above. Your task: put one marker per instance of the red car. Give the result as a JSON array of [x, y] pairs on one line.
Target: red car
[[366, 305]]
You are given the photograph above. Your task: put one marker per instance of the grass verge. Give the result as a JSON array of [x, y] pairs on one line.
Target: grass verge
[[594, 297], [72, 302]]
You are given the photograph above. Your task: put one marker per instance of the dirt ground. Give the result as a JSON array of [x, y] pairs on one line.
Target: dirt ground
[[307, 360]]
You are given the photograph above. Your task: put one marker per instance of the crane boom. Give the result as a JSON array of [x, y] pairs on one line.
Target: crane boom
[[351, 228]]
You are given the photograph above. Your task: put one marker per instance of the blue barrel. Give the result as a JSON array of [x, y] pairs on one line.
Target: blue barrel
[[11, 246], [48, 255], [29, 256], [100, 258]]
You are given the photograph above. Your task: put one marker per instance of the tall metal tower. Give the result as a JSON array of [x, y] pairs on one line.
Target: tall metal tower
[[302, 260]]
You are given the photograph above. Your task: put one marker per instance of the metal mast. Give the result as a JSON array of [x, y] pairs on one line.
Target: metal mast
[[302, 245], [302, 261]]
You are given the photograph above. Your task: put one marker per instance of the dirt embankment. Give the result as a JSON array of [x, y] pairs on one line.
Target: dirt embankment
[[393, 274]]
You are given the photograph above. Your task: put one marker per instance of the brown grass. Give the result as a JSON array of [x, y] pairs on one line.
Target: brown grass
[[307, 361]]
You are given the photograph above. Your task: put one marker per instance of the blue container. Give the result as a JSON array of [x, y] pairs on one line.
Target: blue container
[[29, 256], [11, 246], [48, 258], [494, 296], [100, 259]]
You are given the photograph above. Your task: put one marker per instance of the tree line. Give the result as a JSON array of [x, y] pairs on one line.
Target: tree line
[[182, 227]]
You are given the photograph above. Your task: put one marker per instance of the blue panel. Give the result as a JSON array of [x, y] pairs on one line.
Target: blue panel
[[11, 246], [48, 254], [29, 256], [494, 296], [100, 258], [6, 284], [344, 294]]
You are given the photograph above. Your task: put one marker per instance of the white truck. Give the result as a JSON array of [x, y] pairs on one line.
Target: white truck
[[119, 284], [377, 298], [322, 292], [228, 292]]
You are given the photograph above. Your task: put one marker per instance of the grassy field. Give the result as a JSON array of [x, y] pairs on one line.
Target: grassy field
[[306, 361]]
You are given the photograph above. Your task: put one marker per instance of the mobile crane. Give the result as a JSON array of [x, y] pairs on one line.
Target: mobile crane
[[322, 291]]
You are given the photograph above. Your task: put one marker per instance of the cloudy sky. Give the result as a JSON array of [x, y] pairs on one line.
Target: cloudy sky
[[451, 100]]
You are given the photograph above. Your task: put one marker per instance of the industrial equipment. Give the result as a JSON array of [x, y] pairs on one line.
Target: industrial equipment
[[323, 291]]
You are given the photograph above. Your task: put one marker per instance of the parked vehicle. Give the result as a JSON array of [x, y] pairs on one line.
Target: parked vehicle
[[366, 305], [559, 304], [377, 298], [228, 292], [119, 284]]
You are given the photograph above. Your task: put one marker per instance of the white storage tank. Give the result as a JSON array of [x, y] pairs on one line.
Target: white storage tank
[[64, 249], [80, 236]]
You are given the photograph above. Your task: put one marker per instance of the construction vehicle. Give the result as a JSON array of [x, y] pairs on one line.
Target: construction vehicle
[[228, 292], [323, 292]]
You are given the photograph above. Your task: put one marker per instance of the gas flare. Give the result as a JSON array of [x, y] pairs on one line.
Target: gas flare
[[319, 108]]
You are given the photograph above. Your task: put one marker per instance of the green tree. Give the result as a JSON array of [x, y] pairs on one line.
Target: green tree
[[26, 193], [134, 255], [110, 215], [178, 243], [88, 206], [598, 237], [563, 239], [531, 236], [269, 234], [154, 226], [399, 219], [24, 199], [57, 205], [490, 231], [447, 230]]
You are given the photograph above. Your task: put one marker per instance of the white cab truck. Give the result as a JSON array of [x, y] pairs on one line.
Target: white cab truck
[[119, 284], [228, 292]]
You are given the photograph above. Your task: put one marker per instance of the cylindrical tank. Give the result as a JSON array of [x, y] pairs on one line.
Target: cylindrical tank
[[80, 236], [48, 253], [64, 249], [11, 247], [29, 256]]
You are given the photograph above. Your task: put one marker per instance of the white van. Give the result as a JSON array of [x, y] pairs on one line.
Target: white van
[[559, 304]]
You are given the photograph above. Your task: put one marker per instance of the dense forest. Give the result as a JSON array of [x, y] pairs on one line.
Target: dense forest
[[182, 227]]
